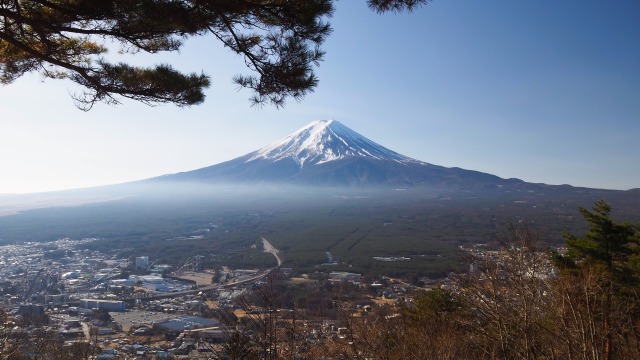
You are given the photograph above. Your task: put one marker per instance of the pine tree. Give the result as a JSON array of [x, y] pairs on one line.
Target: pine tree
[[280, 42], [608, 248]]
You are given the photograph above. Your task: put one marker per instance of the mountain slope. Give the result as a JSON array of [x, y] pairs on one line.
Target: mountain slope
[[325, 141], [327, 153]]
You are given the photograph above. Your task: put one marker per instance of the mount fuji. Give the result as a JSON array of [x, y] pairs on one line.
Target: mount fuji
[[357, 182], [327, 153]]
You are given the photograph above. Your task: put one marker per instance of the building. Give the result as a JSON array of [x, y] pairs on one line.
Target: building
[[109, 305], [142, 262], [160, 269], [151, 282], [176, 326], [213, 334], [31, 310], [345, 276]]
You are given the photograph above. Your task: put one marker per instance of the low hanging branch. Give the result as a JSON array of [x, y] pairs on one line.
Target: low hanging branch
[[65, 39]]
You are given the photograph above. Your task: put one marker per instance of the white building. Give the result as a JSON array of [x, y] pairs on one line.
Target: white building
[[142, 262], [108, 305]]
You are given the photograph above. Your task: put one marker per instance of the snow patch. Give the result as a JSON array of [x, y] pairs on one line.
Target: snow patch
[[324, 141]]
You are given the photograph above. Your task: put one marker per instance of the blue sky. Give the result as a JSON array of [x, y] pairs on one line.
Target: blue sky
[[545, 91]]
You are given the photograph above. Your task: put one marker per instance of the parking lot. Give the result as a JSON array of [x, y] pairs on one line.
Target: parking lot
[[136, 317]]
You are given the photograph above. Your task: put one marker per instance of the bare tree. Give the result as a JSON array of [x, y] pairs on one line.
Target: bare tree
[[508, 292]]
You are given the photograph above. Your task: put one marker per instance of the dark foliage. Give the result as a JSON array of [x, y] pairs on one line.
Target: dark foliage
[[279, 41]]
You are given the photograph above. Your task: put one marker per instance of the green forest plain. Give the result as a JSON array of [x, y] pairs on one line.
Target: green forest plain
[[312, 228]]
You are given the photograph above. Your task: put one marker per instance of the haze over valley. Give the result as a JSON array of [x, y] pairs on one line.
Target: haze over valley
[[323, 194]]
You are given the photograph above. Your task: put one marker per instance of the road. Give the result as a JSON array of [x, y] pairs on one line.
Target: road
[[270, 249], [393, 280]]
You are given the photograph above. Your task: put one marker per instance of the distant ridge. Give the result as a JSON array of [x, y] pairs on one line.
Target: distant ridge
[[328, 153]]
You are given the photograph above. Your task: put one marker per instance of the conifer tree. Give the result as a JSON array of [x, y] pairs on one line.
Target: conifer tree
[[609, 246], [609, 249], [280, 42]]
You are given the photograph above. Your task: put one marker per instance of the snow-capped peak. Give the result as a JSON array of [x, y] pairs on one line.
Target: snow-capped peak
[[323, 141]]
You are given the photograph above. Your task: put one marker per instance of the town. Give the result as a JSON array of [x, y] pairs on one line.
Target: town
[[113, 308]]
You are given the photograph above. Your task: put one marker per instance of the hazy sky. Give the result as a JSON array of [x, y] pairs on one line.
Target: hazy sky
[[545, 91]]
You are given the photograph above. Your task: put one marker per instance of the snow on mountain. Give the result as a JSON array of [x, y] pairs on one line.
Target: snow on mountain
[[327, 153], [324, 141]]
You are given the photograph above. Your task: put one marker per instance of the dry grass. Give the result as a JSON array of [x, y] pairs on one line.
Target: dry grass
[[302, 281], [201, 278]]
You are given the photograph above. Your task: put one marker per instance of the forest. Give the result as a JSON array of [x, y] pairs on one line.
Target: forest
[[353, 226]]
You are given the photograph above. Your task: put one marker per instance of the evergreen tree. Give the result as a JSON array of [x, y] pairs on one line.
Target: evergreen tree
[[610, 250], [279, 41], [607, 245]]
